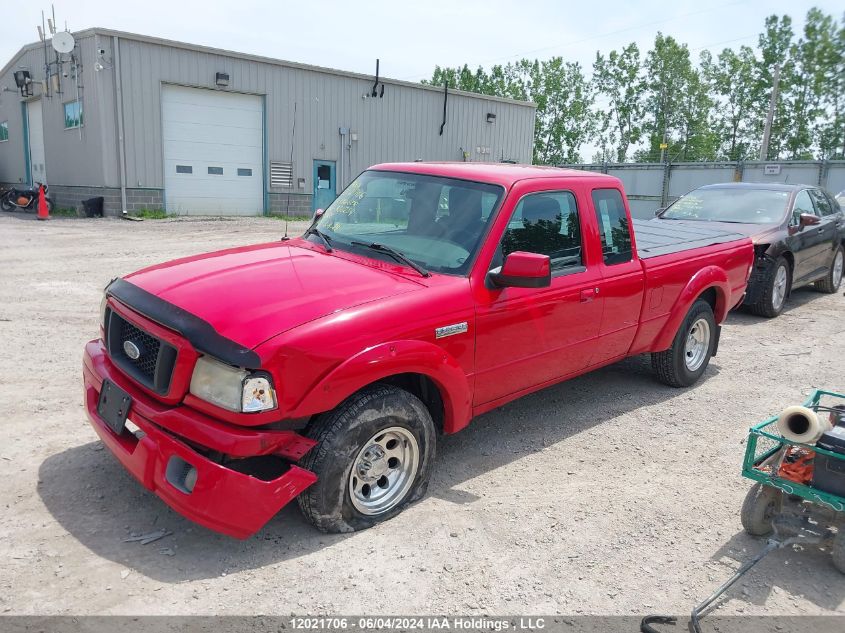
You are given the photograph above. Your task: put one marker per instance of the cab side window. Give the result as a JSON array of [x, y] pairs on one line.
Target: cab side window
[[823, 206], [802, 204], [613, 226], [546, 223]]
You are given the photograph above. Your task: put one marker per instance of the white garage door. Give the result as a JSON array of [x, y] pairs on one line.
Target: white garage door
[[213, 151]]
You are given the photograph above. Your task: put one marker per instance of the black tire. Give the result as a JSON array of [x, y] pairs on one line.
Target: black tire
[[671, 366], [5, 201], [341, 437], [829, 284], [766, 304], [837, 550], [761, 505]]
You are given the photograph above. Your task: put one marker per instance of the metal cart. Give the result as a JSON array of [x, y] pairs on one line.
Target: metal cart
[[788, 506]]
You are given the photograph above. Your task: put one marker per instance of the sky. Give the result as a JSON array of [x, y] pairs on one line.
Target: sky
[[411, 38]]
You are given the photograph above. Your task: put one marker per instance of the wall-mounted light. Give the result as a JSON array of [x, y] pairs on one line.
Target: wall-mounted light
[[23, 80], [491, 118], [221, 79]]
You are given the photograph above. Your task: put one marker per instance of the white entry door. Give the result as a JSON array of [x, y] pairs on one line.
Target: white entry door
[[213, 145], [35, 128]]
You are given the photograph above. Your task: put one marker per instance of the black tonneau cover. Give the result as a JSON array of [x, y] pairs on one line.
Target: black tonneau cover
[[662, 237]]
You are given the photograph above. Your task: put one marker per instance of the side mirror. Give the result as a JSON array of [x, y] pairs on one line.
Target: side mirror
[[659, 211], [523, 270], [808, 219], [318, 213]]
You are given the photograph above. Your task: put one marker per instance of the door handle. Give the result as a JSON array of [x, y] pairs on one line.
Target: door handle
[[588, 294]]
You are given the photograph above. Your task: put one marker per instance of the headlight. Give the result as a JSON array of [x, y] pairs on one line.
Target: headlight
[[231, 388]]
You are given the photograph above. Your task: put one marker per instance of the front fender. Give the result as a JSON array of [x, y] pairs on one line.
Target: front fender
[[706, 278], [389, 359]]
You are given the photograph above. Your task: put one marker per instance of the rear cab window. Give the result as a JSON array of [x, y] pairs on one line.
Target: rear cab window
[[614, 229]]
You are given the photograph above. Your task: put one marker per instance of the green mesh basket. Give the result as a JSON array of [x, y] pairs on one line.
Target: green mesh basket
[[764, 441]]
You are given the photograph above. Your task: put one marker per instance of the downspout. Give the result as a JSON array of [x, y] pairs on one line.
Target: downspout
[[445, 99], [343, 133], [121, 143]]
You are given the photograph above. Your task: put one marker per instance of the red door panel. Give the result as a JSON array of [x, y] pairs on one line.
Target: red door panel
[[526, 336]]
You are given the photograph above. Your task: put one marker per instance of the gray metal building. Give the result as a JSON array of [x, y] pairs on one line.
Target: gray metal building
[[156, 124]]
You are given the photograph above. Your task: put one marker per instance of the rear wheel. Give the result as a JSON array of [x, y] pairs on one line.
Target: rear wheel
[[683, 364], [373, 458], [833, 279], [761, 505], [776, 286]]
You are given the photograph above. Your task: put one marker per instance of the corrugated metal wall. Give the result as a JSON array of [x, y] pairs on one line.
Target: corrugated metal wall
[[83, 156], [645, 182], [403, 125]]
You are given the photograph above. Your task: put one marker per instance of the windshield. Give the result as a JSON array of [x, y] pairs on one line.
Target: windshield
[[730, 204], [436, 222]]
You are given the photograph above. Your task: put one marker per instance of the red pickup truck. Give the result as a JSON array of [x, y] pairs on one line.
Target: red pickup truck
[[324, 367]]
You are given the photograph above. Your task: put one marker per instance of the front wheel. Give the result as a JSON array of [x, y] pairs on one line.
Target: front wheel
[[776, 286], [373, 458], [761, 505], [6, 201], [833, 279], [683, 364]]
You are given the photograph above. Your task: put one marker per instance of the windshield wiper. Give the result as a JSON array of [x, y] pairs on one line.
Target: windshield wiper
[[400, 257], [327, 241]]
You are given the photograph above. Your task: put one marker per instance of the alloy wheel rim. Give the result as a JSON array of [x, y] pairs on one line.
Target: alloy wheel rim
[[698, 343], [779, 288], [837, 269], [384, 471]]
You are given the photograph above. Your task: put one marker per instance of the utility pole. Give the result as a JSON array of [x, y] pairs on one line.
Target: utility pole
[[767, 130]]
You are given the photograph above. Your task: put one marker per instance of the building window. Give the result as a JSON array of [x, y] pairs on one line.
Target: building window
[[184, 169], [215, 171], [4, 131], [244, 172], [73, 114]]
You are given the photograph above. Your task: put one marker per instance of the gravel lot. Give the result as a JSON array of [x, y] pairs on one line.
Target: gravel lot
[[610, 494]]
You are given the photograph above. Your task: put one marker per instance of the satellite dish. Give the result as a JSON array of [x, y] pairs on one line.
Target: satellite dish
[[63, 42]]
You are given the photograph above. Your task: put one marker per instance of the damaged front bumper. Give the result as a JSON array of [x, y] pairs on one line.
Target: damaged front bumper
[[227, 497]]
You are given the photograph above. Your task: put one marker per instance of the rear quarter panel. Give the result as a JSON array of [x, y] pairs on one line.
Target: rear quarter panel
[[674, 281]]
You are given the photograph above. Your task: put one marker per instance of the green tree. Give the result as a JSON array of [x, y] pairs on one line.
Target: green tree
[[618, 79], [830, 129], [565, 119], [678, 102], [738, 119], [810, 60], [773, 45]]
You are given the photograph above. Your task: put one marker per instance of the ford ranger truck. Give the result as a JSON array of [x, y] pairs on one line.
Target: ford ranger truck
[[324, 367]]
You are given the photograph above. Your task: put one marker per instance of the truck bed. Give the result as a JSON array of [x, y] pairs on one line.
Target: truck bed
[[655, 237]]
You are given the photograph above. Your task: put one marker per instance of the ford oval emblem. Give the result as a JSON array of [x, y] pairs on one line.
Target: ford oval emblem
[[131, 350]]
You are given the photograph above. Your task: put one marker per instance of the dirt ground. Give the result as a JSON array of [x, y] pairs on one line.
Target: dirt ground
[[610, 494]]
